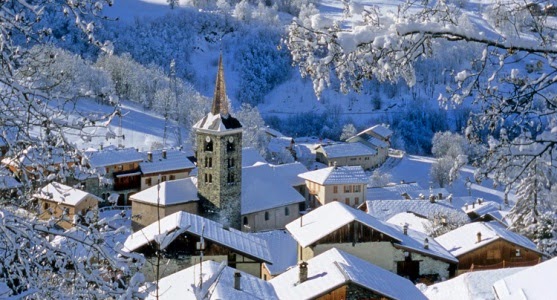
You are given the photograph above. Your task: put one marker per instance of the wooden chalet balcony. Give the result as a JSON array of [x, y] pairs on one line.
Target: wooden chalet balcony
[[127, 180]]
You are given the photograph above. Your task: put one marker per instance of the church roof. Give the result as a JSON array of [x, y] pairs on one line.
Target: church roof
[[219, 119]]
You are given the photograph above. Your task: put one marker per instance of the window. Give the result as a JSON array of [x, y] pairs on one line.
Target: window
[[148, 181], [266, 216], [120, 167], [366, 158], [517, 252], [347, 201], [210, 162], [357, 200], [163, 178], [231, 162], [46, 205], [335, 199], [335, 189], [206, 162], [210, 178], [172, 177], [286, 211], [130, 166], [353, 158], [356, 188], [347, 188], [206, 177], [229, 146], [230, 178], [208, 145], [245, 221]]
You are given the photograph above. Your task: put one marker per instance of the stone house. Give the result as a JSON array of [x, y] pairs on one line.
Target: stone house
[[344, 184], [168, 197], [164, 165], [271, 196], [483, 246], [68, 204], [347, 154], [338, 275], [191, 238], [397, 249]]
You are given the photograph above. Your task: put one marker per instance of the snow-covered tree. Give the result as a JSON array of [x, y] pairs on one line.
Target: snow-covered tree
[[379, 179], [348, 131], [387, 44], [441, 170], [254, 128], [36, 117]]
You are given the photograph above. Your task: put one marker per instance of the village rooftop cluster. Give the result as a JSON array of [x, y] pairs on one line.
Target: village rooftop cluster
[[237, 227]]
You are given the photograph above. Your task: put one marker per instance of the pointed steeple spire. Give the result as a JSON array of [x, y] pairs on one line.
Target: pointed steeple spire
[[220, 102]]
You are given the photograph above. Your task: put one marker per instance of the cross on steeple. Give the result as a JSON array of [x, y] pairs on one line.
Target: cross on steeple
[[220, 102]]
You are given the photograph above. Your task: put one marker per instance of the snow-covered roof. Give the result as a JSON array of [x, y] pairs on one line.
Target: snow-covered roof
[[377, 142], [61, 193], [328, 218], [290, 172], [283, 248], [175, 160], [336, 175], [171, 192], [413, 221], [381, 131], [334, 268], [272, 132], [537, 282], [347, 150], [386, 209], [481, 209], [469, 286], [266, 186], [278, 144], [111, 156], [251, 156], [244, 243], [392, 192], [415, 194], [217, 279], [218, 123], [464, 239]]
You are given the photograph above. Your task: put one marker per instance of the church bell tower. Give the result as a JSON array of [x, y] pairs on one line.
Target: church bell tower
[[218, 138]]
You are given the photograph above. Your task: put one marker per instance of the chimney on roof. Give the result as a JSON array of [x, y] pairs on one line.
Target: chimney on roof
[[335, 164], [426, 243], [440, 195], [432, 198], [164, 153], [237, 280], [473, 204], [149, 156], [479, 237], [303, 274], [100, 146], [405, 229]]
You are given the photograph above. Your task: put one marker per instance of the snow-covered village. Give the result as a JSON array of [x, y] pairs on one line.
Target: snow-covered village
[[278, 149]]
